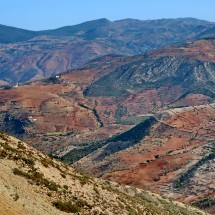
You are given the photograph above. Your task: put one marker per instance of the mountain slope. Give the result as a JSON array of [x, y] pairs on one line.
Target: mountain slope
[[55, 51], [208, 34], [13, 35], [107, 96], [189, 66], [83, 27], [32, 183], [175, 153]]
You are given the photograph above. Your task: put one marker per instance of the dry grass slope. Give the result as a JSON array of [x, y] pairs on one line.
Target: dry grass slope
[[33, 183]]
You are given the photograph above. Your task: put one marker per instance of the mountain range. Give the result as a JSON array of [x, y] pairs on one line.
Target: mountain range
[[134, 105], [32, 55]]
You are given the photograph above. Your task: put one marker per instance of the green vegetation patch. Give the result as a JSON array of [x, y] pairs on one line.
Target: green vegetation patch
[[38, 178], [114, 144], [76, 154], [68, 207], [205, 202]]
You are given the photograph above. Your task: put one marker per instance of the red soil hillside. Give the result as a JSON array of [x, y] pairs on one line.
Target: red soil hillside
[[176, 154], [55, 110], [202, 50], [95, 102]]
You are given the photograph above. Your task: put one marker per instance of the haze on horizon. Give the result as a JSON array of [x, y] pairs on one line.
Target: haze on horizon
[[49, 14]]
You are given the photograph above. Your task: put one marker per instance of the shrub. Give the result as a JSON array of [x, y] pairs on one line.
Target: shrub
[[96, 190], [21, 146], [28, 161], [53, 80], [65, 187], [63, 175], [3, 154], [16, 171], [130, 210], [16, 197], [45, 162], [205, 202], [7, 147], [7, 87], [66, 206], [52, 185]]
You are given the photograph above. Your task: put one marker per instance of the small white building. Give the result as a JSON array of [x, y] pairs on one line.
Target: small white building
[[16, 85]]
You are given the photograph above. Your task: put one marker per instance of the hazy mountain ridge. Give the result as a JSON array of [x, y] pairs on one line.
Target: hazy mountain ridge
[[55, 51], [11, 34]]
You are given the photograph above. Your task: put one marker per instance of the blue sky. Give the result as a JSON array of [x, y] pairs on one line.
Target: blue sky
[[48, 14]]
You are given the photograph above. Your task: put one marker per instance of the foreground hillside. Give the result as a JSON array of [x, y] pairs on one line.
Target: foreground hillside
[[28, 55], [32, 183]]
